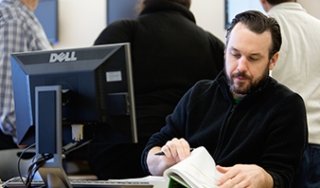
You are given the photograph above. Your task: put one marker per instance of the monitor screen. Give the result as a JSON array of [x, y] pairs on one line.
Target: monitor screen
[[121, 9], [234, 7], [47, 14], [96, 85]]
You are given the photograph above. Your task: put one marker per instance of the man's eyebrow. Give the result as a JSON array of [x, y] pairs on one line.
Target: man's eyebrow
[[234, 49], [255, 54]]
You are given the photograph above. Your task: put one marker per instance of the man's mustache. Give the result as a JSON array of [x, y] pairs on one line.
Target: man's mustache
[[240, 74]]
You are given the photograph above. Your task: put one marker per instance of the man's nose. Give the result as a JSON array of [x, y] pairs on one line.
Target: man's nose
[[242, 64]]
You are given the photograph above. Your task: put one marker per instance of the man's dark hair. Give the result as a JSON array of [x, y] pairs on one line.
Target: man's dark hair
[[258, 23], [275, 2]]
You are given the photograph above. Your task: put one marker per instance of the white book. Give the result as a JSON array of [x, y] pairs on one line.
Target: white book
[[196, 171]]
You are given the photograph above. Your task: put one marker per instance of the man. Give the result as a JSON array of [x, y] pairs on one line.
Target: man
[[170, 53], [20, 31], [254, 128], [298, 68]]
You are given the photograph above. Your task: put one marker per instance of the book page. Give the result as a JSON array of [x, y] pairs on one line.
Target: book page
[[197, 171]]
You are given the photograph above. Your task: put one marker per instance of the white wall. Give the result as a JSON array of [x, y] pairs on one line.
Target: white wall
[[210, 15], [81, 21], [312, 6]]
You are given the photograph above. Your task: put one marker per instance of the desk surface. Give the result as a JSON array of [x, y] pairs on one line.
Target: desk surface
[[144, 182]]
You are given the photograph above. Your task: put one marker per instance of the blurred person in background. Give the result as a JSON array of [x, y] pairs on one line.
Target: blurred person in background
[[20, 31]]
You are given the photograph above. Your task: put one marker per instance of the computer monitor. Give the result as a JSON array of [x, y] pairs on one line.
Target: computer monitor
[[121, 9], [96, 85], [54, 89], [234, 7]]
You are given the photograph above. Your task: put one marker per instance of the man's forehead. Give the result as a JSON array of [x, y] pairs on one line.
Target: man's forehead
[[242, 38]]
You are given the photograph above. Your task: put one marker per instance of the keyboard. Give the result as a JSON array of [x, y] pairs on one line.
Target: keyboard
[[80, 183], [110, 184]]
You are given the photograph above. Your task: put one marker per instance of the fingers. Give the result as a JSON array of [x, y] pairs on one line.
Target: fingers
[[222, 169], [230, 183], [178, 149], [237, 176], [228, 174], [230, 178], [234, 183], [226, 182]]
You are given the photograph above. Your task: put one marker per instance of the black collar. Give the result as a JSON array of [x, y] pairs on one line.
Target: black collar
[[161, 5]]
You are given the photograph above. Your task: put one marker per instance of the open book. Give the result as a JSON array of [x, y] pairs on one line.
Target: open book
[[196, 171]]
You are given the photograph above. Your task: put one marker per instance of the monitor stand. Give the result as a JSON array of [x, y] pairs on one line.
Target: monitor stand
[[48, 121]]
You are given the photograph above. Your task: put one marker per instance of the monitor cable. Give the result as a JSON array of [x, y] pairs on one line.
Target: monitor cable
[[21, 156], [40, 159]]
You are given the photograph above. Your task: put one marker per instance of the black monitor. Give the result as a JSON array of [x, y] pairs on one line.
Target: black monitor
[[59, 89], [96, 89]]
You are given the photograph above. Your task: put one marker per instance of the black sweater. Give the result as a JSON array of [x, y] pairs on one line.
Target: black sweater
[[268, 127]]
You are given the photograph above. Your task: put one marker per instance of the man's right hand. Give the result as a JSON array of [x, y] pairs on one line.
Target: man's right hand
[[174, 151]]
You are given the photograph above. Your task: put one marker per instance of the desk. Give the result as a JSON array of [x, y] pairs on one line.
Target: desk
[[156, 181], [9, 169], [79, 182]]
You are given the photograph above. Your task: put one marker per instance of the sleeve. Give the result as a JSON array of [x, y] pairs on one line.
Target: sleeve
[[13, 40], [176, 123], [288, 128]]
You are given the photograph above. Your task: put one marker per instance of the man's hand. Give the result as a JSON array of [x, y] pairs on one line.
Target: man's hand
[[174, 151], [244, 176]]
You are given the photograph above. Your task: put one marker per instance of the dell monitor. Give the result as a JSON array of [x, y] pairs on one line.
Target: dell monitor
[[96, 89], [58, 89]]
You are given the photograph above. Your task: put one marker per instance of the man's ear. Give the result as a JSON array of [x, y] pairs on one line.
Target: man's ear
[[273, 61]]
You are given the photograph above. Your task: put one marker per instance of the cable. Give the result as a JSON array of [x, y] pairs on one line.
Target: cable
[[34, 167], [73, 146], [40, 159], [19, 161]]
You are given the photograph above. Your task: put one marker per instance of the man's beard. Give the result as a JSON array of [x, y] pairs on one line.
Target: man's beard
[[245, 88]]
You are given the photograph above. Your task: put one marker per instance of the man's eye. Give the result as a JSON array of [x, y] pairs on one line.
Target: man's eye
[[253, 58], [236, 55]]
